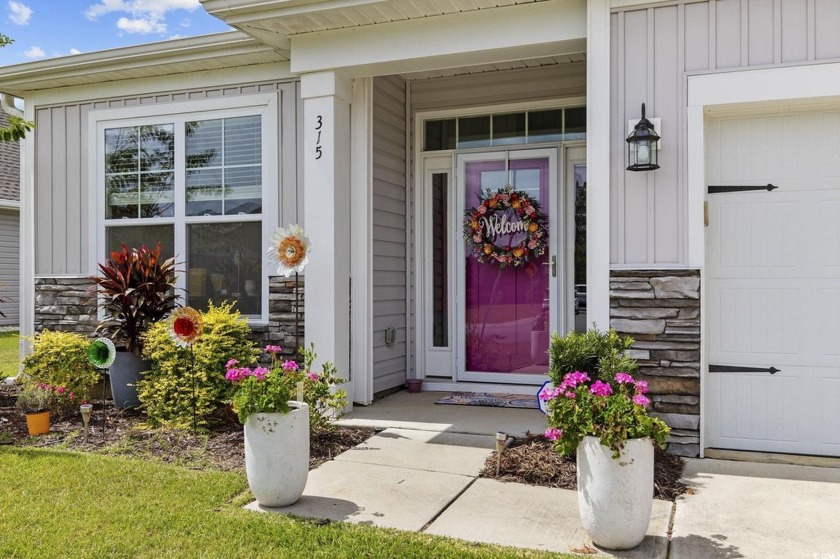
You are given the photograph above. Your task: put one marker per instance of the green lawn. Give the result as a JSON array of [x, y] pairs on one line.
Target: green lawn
[[61, 504], [8, 354]]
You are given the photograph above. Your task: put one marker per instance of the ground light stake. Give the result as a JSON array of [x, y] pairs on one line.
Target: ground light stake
[[87, 410], [501, 439]]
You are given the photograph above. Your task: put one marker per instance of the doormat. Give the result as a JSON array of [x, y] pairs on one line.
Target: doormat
[[490, 400]]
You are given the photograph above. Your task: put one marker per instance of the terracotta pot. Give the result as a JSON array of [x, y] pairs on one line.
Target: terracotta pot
[[38, 423], [615, 495], [277, 455]]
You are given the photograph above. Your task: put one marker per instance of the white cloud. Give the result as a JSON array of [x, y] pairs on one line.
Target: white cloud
[[75, 51], [141, 25], [185, 23], [148, 9], [34, 52], [19, 13]]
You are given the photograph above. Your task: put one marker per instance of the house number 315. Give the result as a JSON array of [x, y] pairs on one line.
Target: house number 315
[[319, 124]]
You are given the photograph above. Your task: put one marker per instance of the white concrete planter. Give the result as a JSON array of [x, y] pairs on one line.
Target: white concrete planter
[[277, 455], [615, 496]]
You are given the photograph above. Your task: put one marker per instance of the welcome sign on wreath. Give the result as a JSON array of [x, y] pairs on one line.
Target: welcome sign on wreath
[[507, 227]]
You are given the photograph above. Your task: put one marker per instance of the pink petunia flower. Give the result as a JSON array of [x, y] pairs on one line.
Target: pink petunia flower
[[600, 388], [260, 373], [231, 364], [641, 400], [641, 387], [570, 395], [290, 366], [549, 393], [273, 349], [313, 377], [553, 433], [623, 378]]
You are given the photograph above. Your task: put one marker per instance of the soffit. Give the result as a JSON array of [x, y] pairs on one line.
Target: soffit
[[497, 67]]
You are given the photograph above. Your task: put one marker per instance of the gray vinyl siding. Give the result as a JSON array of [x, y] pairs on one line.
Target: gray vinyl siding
[[10, 267], [654, 50], [62, 184], [540, 83], [389, 231]]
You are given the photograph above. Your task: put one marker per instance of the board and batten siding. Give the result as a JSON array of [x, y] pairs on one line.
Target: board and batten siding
[[62, 184], [389, 232], [654, 50], [541, 83], [10, 267]]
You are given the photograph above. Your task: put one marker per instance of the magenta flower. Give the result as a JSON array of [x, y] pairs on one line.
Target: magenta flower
[[623, 378], [641, 400], [72, 395], [260, 373], [313, 377], [290, 366], [274, 349], [600, 388], [235, 375], [60, 390], [641, 387], [549, 393], [571, 380], [231, 364], [553, 433], [570, 395]]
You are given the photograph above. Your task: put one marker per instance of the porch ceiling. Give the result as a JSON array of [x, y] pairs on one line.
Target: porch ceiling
[[274, 21], [497, 67]]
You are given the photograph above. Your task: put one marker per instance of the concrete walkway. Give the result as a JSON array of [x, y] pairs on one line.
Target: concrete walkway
[[423, 476]]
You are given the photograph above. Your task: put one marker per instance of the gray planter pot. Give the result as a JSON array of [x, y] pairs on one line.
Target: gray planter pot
[[125, 372]]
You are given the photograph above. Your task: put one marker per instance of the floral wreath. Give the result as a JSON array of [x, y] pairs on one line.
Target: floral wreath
[[489, 220]]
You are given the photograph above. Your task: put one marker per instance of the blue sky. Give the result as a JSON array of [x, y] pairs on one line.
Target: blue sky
[[49, 28]]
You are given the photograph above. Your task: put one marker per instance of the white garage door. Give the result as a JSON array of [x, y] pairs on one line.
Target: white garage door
[[773, 293]]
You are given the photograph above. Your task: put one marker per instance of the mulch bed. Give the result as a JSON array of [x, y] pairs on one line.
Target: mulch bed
[[534, 461], [125, 434]]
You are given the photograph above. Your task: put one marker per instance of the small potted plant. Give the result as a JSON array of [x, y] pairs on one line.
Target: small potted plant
[[34, 401], [598, 411], [277, 405], [136, 288]]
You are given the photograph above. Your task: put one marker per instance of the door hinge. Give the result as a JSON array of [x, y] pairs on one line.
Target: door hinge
[[726, 188], [738, 369]]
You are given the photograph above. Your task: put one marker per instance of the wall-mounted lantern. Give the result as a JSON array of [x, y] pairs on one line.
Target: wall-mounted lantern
[[642, 146]]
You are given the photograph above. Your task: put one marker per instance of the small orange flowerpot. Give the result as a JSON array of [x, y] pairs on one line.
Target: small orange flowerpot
[[38, 423]]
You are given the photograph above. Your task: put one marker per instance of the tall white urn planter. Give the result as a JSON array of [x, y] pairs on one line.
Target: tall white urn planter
[[615, 495], [277, 455]]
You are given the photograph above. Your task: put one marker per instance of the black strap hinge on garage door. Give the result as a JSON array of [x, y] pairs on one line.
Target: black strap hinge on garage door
[[734, 369], [721, 189]]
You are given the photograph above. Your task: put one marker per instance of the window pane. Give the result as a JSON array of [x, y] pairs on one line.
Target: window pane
[[204, 192], [440, 134], [204, 143], [243, 186], [508, 129], [121, 150], [135, 236], [225, 263], [575, 124], [440, 259], [157, 147], [545, 126], [474, 132], [157, 194], [121, 196], [243, 141], [580, 248]]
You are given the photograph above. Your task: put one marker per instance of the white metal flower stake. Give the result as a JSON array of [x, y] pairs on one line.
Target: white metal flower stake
[[290, 251]]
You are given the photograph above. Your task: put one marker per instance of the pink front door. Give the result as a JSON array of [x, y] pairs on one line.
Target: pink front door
[[507, 308]]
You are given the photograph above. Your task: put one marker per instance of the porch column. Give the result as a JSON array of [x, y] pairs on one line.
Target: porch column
[[598, 163], [326, 194]]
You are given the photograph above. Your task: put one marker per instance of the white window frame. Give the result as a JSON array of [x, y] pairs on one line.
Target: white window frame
[[265, 105]]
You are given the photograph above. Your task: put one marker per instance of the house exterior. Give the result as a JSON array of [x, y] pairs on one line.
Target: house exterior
[[378, 124], [9, 231]]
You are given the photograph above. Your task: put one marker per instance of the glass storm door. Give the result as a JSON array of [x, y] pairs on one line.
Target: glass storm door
[[507, 312]]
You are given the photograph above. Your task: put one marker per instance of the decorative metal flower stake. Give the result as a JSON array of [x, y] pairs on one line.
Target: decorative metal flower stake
[[185, 329], [290, 250], [101, 354]]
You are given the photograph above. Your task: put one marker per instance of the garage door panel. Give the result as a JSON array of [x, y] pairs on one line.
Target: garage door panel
[[828, 426], [759, 407]]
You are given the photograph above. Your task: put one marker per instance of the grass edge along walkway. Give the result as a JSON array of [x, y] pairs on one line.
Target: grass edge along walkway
[[65, 504]]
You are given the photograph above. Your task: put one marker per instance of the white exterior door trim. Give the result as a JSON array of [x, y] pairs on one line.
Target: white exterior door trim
[[716, 94]]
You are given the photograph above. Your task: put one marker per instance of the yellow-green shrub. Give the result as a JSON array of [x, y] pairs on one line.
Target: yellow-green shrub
[[60, 359], [182, 377]]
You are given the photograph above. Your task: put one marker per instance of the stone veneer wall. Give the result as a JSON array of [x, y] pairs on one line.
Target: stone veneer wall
[[660, 309], [66, 304]]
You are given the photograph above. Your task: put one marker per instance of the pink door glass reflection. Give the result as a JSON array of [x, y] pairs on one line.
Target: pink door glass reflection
[[507, 310]]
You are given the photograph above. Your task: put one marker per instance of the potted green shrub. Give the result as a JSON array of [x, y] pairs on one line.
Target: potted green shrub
[[136, 289], [598, 411], [34, 401]]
